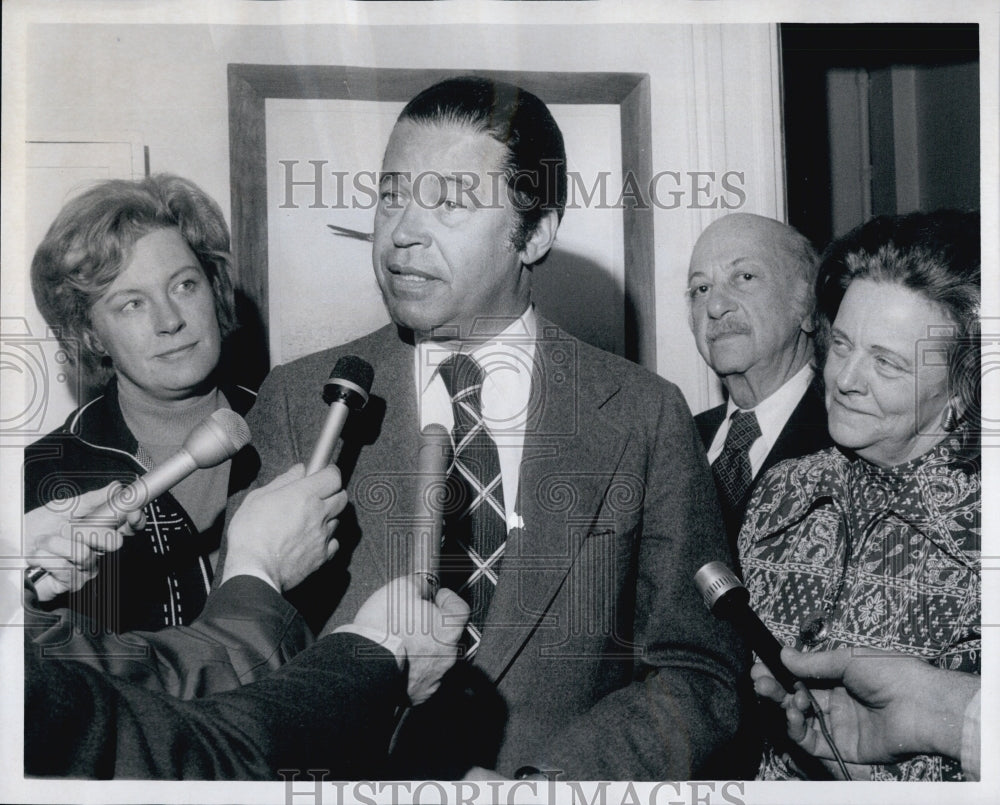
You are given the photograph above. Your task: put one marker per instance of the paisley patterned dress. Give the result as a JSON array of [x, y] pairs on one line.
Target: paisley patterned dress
[[890, 558]]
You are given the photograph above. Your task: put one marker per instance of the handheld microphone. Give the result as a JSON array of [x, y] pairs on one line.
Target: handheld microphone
[[727, 598], [346, 390], [433, 458], [215, 439]]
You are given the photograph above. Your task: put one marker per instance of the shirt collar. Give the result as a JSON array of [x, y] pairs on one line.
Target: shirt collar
[[774, 411], [515, 341], [507, 360]]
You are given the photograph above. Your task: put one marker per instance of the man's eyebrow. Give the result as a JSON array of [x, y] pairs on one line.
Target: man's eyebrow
[[385, 175], [738, 261]]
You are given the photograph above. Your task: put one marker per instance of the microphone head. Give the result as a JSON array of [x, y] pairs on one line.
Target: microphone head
[[217, 438], [714, 581], [349, 382]]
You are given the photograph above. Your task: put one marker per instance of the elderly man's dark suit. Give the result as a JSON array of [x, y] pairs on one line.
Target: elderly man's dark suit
[[607, 664], [804, 433]]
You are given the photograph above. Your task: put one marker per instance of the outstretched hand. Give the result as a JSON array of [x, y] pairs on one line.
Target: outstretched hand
[[282, 532], [429, 630], [59, 538], [880, 706]]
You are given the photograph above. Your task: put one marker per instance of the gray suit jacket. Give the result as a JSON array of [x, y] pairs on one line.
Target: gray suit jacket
[[606, 662]]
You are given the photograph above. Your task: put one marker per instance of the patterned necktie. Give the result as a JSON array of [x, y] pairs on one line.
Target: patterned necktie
[[476, 532], [732, 470]]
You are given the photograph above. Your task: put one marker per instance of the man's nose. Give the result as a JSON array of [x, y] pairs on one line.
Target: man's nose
[[411, 226], [720, 302]]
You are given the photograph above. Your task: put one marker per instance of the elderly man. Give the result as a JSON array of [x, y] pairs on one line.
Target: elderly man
[[750, 285], [584, 501]]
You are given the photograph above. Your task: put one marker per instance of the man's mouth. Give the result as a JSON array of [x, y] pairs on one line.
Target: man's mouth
[[715, 335], [409, 274]]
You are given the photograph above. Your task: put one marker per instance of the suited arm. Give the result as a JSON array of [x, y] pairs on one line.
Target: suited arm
[[274, 441], [245, 631], [682, 703], [330, 708]]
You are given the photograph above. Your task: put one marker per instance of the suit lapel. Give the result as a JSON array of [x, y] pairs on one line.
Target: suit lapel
[[385, 484], [804, 433], [709, 422], [571, 453]]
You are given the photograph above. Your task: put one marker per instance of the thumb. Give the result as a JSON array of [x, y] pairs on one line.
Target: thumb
[[48, 587], [331, 548], [816, 664], [452, 604]]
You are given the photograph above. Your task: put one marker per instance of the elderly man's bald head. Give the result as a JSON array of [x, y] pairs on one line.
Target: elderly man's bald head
[[791, 248], [750, 285]]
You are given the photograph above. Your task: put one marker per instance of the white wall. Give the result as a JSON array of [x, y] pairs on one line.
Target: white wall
[[713, 89]]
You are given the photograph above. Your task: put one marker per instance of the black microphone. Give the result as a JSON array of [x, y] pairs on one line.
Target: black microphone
[[346, 390], [215, 439], [727, 598]]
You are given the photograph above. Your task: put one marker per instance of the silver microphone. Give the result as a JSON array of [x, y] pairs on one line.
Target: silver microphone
[[212, 441]]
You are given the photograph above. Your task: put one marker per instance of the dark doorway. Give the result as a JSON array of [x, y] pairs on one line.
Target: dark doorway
[[879, 119]]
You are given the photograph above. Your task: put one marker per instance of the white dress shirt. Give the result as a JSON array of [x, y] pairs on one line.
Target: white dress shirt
[[772, 415], [507, 360]]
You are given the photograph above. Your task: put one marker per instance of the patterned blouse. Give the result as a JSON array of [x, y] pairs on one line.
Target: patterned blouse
[[891, 556]]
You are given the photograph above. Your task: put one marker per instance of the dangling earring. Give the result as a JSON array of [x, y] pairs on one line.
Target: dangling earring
[[949, 420]]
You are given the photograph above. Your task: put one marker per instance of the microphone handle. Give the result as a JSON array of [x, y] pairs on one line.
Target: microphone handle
[[334, 424], [764, 643], [145, 488], [133, 497], [433, 456]]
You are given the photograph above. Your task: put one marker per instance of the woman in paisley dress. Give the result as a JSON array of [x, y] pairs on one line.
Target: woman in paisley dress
[[875, 543]]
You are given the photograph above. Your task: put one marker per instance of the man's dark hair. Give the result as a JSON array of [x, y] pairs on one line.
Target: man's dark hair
[[535, 161]]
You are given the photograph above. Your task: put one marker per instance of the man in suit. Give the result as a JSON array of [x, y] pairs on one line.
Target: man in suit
[[582, 504], [330, 707], [750, 284]]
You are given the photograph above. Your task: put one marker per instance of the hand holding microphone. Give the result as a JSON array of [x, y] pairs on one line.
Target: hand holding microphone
[[214, 440], [64, 544], [727, 598], [283, 532]]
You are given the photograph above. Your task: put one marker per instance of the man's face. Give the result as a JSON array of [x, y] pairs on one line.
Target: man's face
[[747, 313], [442, 253]]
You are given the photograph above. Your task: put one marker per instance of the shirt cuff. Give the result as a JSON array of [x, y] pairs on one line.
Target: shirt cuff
[[384, 639], [257, 574]]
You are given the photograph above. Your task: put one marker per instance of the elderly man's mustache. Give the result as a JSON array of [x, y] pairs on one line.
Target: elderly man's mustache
[[728, 328]]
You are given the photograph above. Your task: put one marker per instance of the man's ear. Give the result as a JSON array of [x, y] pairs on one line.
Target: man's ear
[[541, 240]]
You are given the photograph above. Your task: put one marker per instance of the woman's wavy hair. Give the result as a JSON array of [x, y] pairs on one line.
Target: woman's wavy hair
[[91, 241], [935, 254]]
